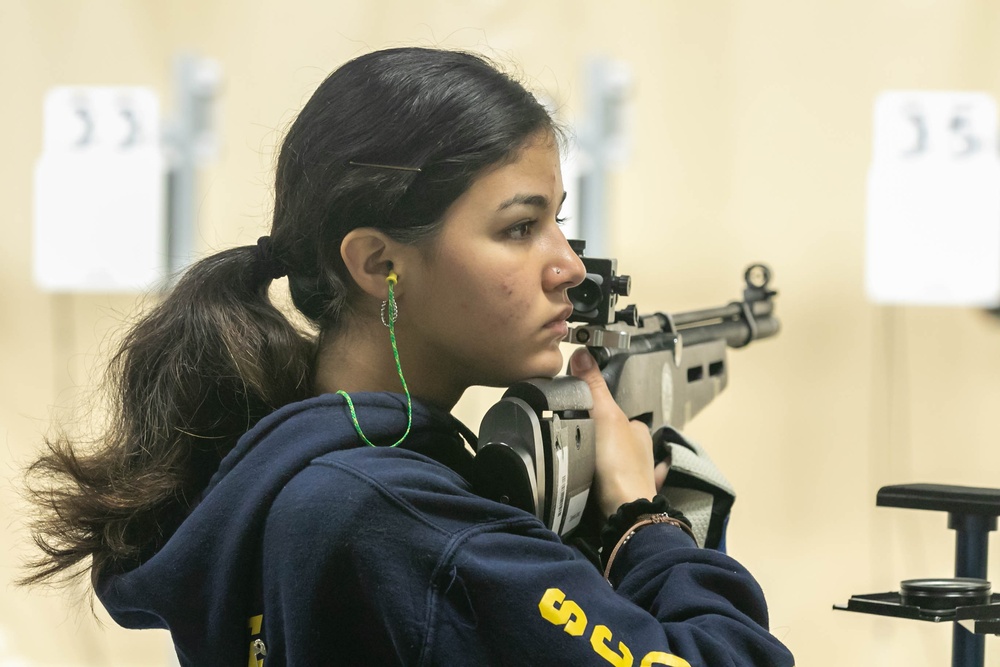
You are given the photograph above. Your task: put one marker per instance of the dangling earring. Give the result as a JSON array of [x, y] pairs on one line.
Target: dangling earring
[[388, 306], [393, 311]]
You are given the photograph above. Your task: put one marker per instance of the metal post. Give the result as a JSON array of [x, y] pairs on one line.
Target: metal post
[[602, 139], [971, 550], [190, 141]]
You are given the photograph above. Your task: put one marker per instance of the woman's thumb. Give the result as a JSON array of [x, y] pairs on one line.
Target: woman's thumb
[[581, 362], [583, 366]]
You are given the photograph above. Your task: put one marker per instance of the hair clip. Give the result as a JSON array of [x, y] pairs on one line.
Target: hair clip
[[382, 166]]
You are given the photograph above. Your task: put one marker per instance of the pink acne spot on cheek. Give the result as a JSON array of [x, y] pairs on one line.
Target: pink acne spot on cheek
[[504, 304], [506, 288]]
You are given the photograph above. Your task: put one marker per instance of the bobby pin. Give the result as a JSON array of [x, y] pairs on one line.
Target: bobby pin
[[382, 166]]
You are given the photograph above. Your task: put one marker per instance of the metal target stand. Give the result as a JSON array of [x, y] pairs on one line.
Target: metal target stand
[[972, 514]]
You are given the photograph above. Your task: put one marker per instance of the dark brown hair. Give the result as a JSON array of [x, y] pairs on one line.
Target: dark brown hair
[[215, 356]]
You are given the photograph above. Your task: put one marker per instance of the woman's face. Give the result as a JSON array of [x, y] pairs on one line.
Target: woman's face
[[484, 302]]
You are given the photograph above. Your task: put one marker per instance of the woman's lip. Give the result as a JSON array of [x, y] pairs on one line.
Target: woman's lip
[[558, 327]]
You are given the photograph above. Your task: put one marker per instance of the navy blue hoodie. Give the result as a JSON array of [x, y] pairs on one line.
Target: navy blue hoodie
[[311, 549]]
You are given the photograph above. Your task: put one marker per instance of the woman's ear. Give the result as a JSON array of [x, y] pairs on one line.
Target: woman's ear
[[369, 255]]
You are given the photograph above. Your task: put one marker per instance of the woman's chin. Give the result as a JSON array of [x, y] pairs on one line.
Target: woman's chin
[[548, 366]]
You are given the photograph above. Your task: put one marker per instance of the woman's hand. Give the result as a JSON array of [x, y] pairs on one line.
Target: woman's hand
[[624, 466]]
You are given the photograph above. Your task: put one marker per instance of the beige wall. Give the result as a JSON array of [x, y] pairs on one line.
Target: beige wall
[[751, 142]]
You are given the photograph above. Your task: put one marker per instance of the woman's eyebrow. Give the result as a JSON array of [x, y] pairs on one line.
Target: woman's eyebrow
[[537, 201]]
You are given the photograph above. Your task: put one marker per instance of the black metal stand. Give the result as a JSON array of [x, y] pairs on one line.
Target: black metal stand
[[972, 514]]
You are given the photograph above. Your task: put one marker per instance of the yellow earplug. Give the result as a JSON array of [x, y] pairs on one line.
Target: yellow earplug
[[392, 278]]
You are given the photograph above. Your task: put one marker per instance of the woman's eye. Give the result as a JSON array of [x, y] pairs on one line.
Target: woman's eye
[[520, 231], [561, 221]]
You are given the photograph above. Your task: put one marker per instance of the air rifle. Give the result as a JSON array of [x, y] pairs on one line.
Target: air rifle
[[536, 445]]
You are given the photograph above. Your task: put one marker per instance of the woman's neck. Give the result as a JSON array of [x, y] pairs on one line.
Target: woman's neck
[[358, 357]]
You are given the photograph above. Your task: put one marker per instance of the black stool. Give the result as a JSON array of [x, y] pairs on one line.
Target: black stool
[[972, 514]]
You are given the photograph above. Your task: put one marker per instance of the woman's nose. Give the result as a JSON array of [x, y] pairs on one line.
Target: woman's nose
[[566, 270]]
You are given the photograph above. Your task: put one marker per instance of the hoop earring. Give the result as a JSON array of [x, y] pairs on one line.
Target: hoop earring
[[393, 310]]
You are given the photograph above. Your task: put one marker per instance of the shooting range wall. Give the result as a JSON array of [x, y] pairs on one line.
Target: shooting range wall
[[750, 142]]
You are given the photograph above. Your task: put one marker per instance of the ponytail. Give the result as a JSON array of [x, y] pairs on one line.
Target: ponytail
[[187, 381]]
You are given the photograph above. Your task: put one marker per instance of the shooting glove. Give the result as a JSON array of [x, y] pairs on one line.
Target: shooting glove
[[696, 487]]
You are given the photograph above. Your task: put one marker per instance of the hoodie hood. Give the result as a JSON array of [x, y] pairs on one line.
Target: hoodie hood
[[205, 580]]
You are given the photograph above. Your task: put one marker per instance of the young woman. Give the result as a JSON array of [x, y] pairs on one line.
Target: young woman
[[285, 499]]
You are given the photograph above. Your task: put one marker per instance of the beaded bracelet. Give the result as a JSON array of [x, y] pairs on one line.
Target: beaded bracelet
[[641, 522]]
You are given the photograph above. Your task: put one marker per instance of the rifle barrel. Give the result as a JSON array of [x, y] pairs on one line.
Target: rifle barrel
[[735, 332], [730, 311], [726, 323]]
